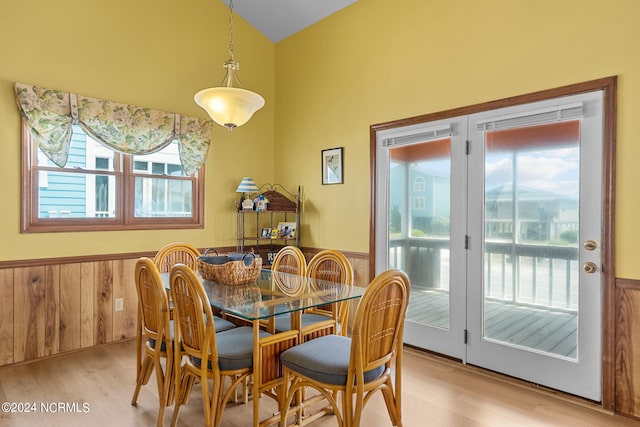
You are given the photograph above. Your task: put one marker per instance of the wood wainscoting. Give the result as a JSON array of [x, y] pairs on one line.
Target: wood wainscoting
[[54, 306], [627, 349]]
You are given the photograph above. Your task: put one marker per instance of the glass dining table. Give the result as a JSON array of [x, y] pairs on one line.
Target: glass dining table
[[258, 303]]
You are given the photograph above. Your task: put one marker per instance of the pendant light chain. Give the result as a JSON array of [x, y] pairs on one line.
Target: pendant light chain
[[231, 30]]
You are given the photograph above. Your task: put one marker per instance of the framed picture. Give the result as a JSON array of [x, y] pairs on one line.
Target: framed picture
[[286, 230], [266, 233], [332, 166], [274, 233]]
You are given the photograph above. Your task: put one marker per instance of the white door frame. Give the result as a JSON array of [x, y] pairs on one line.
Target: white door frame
[[609, 87]]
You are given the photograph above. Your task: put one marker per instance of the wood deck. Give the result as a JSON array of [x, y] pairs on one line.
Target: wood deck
[[548, 330]]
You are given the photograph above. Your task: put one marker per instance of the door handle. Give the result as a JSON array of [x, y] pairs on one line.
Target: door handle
[[590, 245], [589, 267]]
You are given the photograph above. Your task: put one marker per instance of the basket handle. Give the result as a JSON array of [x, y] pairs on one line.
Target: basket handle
[[206, 251], [252, 260]]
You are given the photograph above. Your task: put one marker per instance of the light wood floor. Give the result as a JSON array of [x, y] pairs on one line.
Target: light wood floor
[[439, 393]]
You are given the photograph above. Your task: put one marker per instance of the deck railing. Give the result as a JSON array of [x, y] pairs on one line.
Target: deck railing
[[530, 274]]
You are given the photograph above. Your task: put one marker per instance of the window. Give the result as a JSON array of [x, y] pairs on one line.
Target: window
[[101, 189]]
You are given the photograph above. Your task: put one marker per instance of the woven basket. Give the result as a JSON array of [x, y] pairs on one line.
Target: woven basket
[[228, 269]]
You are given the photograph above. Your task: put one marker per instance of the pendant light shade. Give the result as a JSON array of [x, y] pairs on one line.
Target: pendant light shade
[[230, 105]]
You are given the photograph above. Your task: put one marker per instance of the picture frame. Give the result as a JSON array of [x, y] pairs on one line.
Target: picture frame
[[286, 230], [266, 233], [274, 233], [332, 166]]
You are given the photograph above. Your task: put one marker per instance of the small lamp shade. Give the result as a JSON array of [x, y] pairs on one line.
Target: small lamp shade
[[247, 186]]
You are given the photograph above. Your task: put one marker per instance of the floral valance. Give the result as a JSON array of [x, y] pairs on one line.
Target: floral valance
[[125, 128]]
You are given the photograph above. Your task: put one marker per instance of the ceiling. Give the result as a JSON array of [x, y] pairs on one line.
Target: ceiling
[[278, 19]]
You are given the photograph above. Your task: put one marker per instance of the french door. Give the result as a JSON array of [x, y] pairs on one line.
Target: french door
[[496, 218]]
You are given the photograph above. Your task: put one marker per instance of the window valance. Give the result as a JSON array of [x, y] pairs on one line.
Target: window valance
[[129, 129]]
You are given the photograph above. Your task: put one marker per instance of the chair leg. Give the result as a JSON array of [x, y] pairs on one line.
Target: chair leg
[[143, 378], [183, 390], [207, 402], [161, 415], [393, 407], [347, 410], [134, 400], [285, 400], [217, 401], [170, 383]]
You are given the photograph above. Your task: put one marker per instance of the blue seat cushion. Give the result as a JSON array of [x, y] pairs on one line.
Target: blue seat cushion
[[235, 348], [324, 359], [283, 321], [222, 324], [163, 346]]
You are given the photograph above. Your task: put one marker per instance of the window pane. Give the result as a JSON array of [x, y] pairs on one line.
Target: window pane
[[159, 197], [174, 170], [84, 152], [76, 195], [102, 163], [139, 166], [163, 162], [157, 168], [419, 232]]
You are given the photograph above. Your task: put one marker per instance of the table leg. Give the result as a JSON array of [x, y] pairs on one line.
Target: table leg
[[257, 372]]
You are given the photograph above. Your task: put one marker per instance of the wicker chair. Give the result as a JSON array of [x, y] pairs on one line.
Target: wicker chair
[[153, 307], [290, 259], [210, 356], [325, 268], [183, 253], [174, 253], [357, 366]]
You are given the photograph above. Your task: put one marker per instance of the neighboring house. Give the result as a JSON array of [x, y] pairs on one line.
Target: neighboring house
[[542, 215]]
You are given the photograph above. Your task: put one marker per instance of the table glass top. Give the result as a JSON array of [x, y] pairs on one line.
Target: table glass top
[[275, 293]]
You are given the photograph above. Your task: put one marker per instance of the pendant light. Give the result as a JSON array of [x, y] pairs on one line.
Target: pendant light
[[230, 105]]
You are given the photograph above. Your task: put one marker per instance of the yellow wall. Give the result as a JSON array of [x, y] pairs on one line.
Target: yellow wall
[[155, 54], [372, 62], [377, 61]]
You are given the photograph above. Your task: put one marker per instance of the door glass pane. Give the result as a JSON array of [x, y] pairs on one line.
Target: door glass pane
[[419, 233], [531, 202]]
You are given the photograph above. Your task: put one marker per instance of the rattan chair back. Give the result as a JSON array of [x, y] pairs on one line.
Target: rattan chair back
[[193, 319], [328, 267], [379, 322], [290, 259], [176, 253]]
